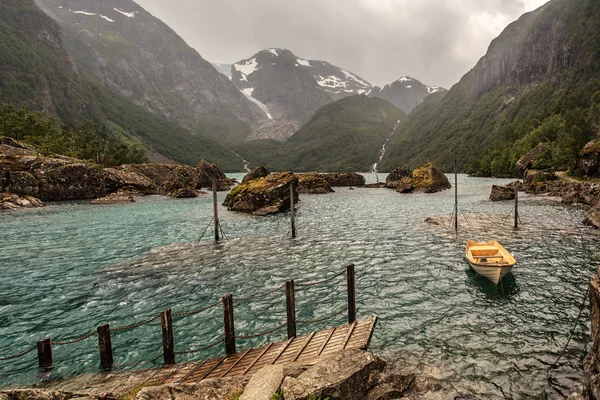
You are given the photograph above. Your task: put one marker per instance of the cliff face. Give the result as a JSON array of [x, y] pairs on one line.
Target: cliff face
[[138, 56], [591, 364], [544, 64]]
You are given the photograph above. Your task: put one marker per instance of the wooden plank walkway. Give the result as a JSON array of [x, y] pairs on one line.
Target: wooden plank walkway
[[306, 349]]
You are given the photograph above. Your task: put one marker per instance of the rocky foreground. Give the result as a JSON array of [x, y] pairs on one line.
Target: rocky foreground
[[347, 375]]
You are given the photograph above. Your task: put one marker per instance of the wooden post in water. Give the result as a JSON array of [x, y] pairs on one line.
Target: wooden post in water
[[292, 211], [455, 198], [290, 306], [215, 208], [166, 323], [351, 293], [228, 324], [516, 225], [44, 349], [105, 347]]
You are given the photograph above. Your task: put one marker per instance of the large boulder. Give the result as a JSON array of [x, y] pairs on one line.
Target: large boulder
[[501, 193], [344, 179], [394, 178], [267, 195], [426, 179], [313, 183], [535, 158], [122, 178], [10, 201], [256, 173], [264, 384], [206, 171], [345, 375], [589, 159]]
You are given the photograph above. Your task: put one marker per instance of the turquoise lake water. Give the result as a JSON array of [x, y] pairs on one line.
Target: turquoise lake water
[[70, 267]]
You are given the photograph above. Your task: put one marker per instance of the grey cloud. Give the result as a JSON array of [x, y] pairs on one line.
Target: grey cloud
[[435, 41]]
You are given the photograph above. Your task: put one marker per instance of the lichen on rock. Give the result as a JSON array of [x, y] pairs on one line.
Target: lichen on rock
[[267, 195], [426, 179]]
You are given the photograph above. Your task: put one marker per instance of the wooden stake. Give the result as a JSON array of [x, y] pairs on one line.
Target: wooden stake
[[290, 303], [351, 294], [228, 324], [215, 208], [166, 323], [44, 349], [516, 225], [292, 210], [455, 198], [105, 347]]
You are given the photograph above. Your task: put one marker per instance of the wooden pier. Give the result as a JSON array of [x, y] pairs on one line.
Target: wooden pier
[[305, 349]]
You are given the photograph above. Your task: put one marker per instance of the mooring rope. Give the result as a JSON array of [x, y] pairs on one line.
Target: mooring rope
[[205, 229]]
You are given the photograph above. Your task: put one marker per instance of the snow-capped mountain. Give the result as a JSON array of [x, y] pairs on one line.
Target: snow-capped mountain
[[405, 93], [289, 88]]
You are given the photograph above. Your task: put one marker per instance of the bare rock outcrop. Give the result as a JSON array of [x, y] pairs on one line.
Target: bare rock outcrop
[[210, 389], [502, 193], [263, 196], [10, 201], [256, 173], [344, 179], [533, 158]]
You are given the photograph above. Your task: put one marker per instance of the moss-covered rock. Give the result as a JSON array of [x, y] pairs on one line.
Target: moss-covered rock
[[344, 179], [313, 183], [426, 179], [267, 195]]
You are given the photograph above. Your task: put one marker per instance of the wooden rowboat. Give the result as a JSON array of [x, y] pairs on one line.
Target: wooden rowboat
[[489, 259]]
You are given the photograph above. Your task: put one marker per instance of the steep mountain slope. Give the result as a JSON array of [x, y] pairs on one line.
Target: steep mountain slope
[[539, 81], [405, 93], [36, 72], [291, 88], [346, 135], [138, 56]]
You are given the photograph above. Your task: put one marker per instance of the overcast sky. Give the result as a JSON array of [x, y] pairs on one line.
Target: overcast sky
[[435, 41]]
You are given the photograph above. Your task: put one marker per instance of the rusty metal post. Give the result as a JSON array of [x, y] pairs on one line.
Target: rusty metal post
[[292, 210], [516, 225], [351, 294], [44, 349], [215, 209], [105, 347], [166, 323], [290, 303], [228, 324]]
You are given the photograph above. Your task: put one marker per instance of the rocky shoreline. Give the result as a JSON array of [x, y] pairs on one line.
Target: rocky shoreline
[[346, 375]]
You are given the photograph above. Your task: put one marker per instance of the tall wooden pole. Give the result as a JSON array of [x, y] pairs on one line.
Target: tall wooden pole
[[215, 208], [290, 308], [166, 324], [516, 225], [228, 324], [292, 210], [351, 293], [455, 198]]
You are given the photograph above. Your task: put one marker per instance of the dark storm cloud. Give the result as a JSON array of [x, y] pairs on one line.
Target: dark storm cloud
[[435, 41]]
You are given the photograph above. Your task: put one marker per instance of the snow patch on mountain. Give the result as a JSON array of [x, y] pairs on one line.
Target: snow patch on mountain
[[434, 89], [246, 68], [303, 62], [274, 52], [128, 15], [405, 79], [82, 12], [355, 78], [248, 93], [106, 18], [331, 82]]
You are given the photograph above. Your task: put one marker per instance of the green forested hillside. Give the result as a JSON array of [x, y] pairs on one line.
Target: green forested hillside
[[346, 135], [538, 82], [37, 74]]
